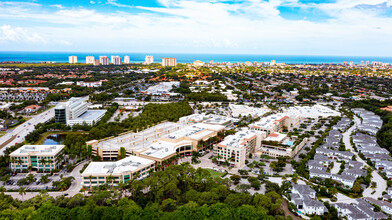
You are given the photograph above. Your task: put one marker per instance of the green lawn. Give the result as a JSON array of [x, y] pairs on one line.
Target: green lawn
[[215, 174], [2, 133]]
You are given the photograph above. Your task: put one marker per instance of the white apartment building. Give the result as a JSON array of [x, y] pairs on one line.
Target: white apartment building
[[148, 60], [127, 60], [73, 59], [90, 60], [103, 60], [116, 60], [129, 168], [171, 61], [96, 62], [236, 148], [39, 157]]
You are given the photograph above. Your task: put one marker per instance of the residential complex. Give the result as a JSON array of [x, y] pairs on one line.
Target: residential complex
[[116, 60], [127, 60], [73, 59], [75, 111], [148, 60], [90, 60], [38, 157], [103, 60], [171, 61]]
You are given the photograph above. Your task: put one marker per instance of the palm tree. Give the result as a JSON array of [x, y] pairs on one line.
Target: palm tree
[[20, 162], [44, 179], [22, 191], [62, 186], [110, 178], [43, 162], [90, 178], [30, 178], [2, 189]]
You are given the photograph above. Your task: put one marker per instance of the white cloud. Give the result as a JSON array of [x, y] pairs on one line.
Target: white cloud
[[58, 6], [8, 33], [253, 26]]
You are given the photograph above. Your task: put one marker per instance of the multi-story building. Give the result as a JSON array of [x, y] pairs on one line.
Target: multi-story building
[[90, 60], [279, 145], [208, 119], [171, 61], [273, 62], [39, 157], [96, 62], [75, 111], [148, 60], [103, 60], [236, 148], [116, 60], [113, 173], [127, 60], [73, 59], [276, 123], [160, 142]]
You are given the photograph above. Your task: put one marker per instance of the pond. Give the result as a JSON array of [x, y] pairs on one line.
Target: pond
[[54, 139]]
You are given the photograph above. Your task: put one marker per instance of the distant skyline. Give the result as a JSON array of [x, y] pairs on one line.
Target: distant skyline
[[289, 27]]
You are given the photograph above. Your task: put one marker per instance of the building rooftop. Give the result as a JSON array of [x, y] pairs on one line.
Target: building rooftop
[[311, 111], [38, 150], [276, 137], [196, 131], [162, 149], [90, 115], [130, 163], [239, 139], [140, 140]]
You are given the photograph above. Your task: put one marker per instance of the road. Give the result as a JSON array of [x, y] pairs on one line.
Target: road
[[381, 183], [24, 129], [71, 191]]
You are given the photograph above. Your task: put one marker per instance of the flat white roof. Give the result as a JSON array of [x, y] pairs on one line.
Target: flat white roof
[[44, 150], [269, 121], [237, 139], [141, 140], [276, 137], [247, 110], [311, 111], [162, 87], [162, 149], [130, 163], [90, 115], [210, 118], [196, 131]]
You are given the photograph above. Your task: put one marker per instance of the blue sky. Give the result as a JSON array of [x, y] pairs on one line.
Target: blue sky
[[330, 27]]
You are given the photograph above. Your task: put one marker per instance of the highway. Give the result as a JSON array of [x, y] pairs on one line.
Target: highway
[[24, 129]]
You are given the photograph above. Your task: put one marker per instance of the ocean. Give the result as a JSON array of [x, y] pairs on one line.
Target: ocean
[[62, 57]]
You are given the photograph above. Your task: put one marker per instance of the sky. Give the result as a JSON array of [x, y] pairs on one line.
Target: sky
[[292, 27]]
